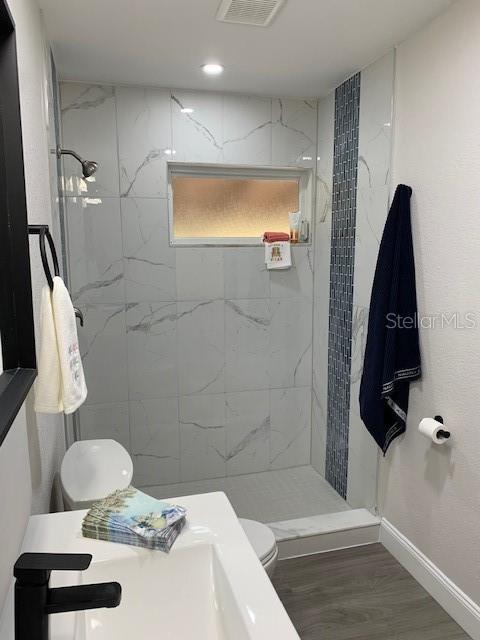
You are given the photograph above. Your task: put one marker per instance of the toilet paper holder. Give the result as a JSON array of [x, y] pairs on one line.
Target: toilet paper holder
[[443, 433]]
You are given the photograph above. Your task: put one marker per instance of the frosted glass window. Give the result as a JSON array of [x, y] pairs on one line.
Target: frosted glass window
[[231, 207], [226, 204]]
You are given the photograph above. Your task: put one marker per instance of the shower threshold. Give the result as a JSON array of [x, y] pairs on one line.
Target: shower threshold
[[306, 514]]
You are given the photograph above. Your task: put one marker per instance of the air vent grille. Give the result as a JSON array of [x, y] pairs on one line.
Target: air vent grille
[[259, 13]]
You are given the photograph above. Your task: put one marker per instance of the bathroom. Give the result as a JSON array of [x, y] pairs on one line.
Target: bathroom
[[216, 382]]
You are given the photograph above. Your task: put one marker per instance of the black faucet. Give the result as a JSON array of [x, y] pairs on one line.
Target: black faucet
[[35, 600]]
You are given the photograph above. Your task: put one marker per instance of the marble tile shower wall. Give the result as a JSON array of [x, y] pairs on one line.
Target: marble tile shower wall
[[373, 192], [197, 359], [373, 186]]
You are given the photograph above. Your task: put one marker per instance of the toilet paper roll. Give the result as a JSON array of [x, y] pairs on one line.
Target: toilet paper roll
[[430, 428]]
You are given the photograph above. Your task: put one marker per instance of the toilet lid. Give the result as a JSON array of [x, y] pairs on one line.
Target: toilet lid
[[92, 469], [261, 538]]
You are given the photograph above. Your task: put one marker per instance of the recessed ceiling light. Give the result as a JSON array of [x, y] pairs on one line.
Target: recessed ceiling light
[[213, 69], [169, 152], [187, 110]]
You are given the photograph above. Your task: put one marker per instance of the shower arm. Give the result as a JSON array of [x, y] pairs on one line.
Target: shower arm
[[89, 167], [68, 152]]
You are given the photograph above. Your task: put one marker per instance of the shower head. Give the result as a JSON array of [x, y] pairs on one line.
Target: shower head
[[89, 167]]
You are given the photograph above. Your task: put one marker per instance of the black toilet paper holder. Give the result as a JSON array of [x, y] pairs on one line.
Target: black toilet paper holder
[[442, 433]]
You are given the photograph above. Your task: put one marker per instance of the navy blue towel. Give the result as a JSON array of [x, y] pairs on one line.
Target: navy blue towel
[[392, 355]]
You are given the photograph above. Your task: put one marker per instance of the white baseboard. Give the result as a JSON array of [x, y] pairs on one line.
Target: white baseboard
[[455, 602]]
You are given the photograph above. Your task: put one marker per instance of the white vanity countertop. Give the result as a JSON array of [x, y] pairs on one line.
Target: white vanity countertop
[[211, 521]]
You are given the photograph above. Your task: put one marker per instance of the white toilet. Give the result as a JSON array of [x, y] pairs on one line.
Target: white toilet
[[263, 542], [92, 469]]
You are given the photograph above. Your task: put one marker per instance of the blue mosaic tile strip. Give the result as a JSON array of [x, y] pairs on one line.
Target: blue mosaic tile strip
[[342, 259]]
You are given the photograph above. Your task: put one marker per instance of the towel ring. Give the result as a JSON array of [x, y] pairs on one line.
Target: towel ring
[[43, 232]]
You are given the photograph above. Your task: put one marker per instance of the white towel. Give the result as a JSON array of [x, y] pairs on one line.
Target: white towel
[[74, 389], [48, 382], [278, 255], [60, 370]]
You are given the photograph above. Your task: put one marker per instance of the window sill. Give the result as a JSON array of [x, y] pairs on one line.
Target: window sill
[[226, 242]]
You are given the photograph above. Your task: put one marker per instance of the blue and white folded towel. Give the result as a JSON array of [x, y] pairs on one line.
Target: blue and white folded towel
[[129, 516]]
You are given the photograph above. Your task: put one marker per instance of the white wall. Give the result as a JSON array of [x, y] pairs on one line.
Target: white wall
[[432, 494], [30, 455]]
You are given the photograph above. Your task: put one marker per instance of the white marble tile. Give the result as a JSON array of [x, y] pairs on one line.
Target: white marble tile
[[89, 128], [152, 349], [149, 261], [245, 273], [341, 518], [323, 228], [247, 344], [290, 361], [296, 281], [359, 342], [372, 208], [199, 273], [144, 140], [290, 411], [294, 132], [110, 421], [326, 117], [247, 131], [372, 211], [95, 249], [103, 349], [375, 125], [197, 136], [319, 429], [248, 432], [274, 496], [155, 441], [201, 347], [202, 437], [363, 459], [363, 451]]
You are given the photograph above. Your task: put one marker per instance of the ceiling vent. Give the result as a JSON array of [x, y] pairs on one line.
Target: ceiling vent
[[259, 13]]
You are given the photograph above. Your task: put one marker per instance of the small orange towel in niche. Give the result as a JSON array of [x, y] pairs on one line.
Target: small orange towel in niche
[[275, 236]]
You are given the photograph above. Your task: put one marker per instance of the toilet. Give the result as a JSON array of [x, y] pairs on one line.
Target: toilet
[[263, 542], [92, 469]]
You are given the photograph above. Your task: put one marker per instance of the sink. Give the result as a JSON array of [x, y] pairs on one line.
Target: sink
[[184, 595], [211, 586]]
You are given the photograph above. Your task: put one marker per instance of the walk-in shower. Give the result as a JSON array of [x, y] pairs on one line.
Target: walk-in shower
[[214, 373]]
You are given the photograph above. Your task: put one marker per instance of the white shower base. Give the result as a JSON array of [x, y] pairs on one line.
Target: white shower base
[[270, 496]]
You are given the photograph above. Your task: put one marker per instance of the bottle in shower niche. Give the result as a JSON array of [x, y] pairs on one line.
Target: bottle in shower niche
[[294, 220]]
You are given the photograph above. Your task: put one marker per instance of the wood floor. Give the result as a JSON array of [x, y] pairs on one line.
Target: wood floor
[[359, 594]]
